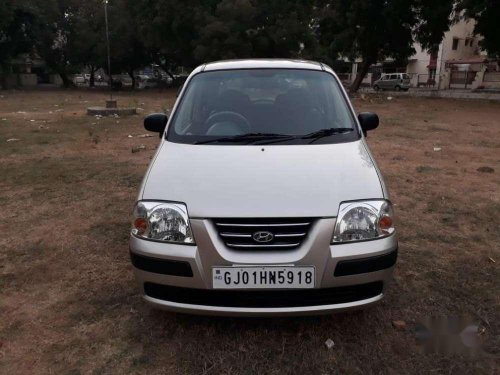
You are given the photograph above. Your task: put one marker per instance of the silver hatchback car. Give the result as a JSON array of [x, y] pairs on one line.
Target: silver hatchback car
[[263, 197], [394, 81]]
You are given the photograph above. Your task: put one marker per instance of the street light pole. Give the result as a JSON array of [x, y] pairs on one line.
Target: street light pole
[[110, 79]]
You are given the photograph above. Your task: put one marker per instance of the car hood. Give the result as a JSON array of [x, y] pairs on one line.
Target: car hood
[[262, 181]]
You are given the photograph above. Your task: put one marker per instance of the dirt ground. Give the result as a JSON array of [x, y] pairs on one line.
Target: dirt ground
[[69, 303]]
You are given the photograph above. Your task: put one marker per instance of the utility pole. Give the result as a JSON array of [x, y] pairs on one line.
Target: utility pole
[[110, 78], [111, 108]]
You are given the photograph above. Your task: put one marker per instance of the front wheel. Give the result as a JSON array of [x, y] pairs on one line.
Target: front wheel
[[398, 88], [376, 88]]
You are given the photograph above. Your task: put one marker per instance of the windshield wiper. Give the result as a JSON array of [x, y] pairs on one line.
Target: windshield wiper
[[244, 137], [325, 133]]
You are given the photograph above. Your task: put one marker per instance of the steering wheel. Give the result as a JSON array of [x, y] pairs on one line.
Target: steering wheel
[[227, 123]]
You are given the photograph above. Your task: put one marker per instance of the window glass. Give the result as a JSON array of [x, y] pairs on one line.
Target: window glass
[[279, 101]]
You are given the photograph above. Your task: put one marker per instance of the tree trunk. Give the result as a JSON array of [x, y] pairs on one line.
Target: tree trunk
[[66, 81], [166, 70], [92, 76], [360, 76], [132, 77]]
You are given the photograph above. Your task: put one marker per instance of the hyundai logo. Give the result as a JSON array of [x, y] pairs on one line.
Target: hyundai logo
[[263, 237]]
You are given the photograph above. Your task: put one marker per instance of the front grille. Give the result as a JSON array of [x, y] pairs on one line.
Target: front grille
[[263, 234], [263, 299]]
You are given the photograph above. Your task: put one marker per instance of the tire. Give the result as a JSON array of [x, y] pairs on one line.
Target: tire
[[376, 88], [398, 88]]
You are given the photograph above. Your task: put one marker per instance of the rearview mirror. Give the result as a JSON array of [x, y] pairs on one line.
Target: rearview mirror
[[156, 123], [368, 121]]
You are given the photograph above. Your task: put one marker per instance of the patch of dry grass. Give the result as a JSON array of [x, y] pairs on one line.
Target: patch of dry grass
[[69, 304]]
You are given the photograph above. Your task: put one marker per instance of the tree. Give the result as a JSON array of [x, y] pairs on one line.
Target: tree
[[379, 29], [16, 29], [71, 34], [17, 20], [128, 52], [257, 28], [55, 35], [189, 33], [88, 47], [169, 29], [486, 13], [6, 18], [62, 32]]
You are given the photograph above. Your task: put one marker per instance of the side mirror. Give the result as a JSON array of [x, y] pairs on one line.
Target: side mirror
[[156, 123], [368, 121]]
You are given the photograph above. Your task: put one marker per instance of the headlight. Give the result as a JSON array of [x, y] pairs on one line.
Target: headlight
[[359, 221], [159, 221]]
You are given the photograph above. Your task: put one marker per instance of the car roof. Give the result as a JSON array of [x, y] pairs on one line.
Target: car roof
[[262, 64]]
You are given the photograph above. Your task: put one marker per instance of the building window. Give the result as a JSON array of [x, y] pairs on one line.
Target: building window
[[455, 44], [469, 42]]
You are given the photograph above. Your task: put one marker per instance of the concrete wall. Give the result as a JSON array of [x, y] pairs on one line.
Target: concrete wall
[[418, 62], [8, 81], [444, 80], [19, 80], [461, 30], [491, 80], [55, 79], [27, 80], [478, 81]]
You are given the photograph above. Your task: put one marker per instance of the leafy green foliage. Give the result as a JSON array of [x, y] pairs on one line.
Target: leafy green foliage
[[189, 33], [246, 28], [88, 47], [70, 34], [486, 13], [127, 49], [17, 20], [379, 29], [55, 33]]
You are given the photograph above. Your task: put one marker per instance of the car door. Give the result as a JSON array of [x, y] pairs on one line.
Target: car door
[[406, 79], [391, 82], [383, 81]]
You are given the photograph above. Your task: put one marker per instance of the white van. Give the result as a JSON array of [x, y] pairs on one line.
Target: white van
[[263, 197]]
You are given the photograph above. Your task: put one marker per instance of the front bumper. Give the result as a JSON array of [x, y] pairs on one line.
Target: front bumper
[[179, 277]]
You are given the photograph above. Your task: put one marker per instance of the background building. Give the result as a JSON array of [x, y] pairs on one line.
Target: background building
[[459, 51]]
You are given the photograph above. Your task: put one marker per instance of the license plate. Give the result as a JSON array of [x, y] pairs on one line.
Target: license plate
[[278, 277]]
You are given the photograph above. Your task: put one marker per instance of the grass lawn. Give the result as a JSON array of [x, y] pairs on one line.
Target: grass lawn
[[69, 303]]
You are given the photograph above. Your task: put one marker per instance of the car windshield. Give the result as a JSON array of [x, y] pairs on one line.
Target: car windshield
[[263, 106]]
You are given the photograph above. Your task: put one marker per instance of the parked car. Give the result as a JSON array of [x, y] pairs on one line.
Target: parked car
[[164, 80], [79, 80], [145, 81], [393, 81], [126, 80], [179, 79], [263, 197], [120, 81]]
